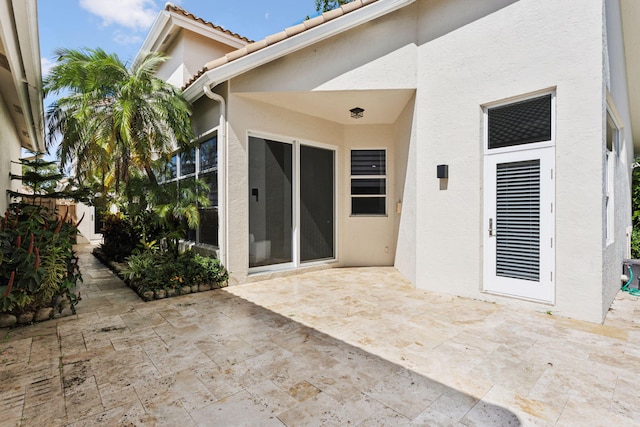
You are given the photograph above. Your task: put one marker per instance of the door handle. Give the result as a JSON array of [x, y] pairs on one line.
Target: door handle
[[254, 192], [490, 226]]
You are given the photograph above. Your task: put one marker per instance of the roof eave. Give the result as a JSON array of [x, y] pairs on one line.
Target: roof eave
[[23, 54], [631, 32], [292, 44], [160, 28], [166, 25]]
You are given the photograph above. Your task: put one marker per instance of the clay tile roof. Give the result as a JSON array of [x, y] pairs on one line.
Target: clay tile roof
[[170, 7], [277, 37]]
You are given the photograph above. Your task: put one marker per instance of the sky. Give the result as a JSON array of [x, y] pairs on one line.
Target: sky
[[120, 26]]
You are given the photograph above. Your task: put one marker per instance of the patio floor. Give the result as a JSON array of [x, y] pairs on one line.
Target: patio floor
[[333, 347]]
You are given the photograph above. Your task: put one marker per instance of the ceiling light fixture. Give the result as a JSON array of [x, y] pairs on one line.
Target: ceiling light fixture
[[357, 113]]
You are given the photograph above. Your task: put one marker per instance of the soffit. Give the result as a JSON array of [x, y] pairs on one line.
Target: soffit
[[380, 106], [631, 33]]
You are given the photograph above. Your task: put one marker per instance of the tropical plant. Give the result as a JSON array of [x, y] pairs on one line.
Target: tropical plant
[[113, 118], [119, 237], [213, 272], [153, 271], [37, 261]]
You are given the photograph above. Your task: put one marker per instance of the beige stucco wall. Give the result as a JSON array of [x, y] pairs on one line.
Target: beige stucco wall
[[188, 53], [10, 149], [406, 169]]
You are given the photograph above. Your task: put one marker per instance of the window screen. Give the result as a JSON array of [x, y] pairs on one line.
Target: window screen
[[171, 168], [523, 122], [368, 182], [209, 154], [368, 162], [188, 162]]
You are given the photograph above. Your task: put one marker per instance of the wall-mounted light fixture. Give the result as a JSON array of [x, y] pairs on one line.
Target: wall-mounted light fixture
[[443, 171], [357, 113]]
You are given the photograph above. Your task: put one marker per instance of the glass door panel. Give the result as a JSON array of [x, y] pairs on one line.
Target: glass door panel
[[270, 202], [316, 203]]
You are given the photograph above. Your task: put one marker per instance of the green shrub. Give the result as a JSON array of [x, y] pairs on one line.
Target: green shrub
[[152, 271], [213, 271], [120, 237]]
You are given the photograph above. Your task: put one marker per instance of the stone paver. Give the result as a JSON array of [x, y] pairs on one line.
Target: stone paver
[[333, 347]]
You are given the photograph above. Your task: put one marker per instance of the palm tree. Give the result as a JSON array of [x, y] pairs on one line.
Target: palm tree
[[111, 118]]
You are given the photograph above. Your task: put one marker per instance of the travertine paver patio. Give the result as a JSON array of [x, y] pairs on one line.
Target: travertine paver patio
[[334, 347]]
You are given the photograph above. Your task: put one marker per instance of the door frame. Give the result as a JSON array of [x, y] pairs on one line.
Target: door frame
[[295, 205], [544, 290], [545, 151]]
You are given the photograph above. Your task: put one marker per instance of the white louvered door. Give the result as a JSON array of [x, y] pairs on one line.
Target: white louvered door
[[519, 224]]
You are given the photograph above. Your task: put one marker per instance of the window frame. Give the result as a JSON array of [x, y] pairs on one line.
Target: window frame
[[196, 174], [515, 100], [611, 155], [383, 177]]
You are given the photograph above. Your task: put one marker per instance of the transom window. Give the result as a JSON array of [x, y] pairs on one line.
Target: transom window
[[368, 182], [518, 123]]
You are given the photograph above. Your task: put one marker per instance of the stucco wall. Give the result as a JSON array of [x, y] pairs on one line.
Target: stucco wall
[[524, 47], [10, 149], [266, 121], [406, 168], [377, 55], [459, 58], [367, 240], [188, 53], [615, 84]]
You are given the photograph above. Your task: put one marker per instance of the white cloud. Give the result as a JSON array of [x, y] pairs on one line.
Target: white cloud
[[121, 37], [266, 15], [134, 14], [46, 64]]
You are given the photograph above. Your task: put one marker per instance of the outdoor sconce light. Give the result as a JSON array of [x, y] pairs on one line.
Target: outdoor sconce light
[[443, 171], [357, 113]]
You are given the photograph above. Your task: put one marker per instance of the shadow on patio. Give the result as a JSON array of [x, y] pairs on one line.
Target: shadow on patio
[[334, 347], [211, 358]]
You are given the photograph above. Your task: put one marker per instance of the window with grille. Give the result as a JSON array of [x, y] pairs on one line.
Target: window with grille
[[518, 123], [201, 163], [368, 182]]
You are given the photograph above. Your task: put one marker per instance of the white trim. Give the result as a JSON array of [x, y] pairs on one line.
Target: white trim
[[543, 291], [295, 203], [293, 44], [611, 159], [364, 196], [19, 28], [512, 100]]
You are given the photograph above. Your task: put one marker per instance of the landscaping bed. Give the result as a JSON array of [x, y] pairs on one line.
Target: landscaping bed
[[157, 275]]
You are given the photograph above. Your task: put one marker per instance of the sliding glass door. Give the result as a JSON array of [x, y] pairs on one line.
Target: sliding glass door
[[270, 202], [291, 204], [316, 203]]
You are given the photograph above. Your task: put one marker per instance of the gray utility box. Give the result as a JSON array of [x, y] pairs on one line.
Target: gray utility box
[[635, 267]]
